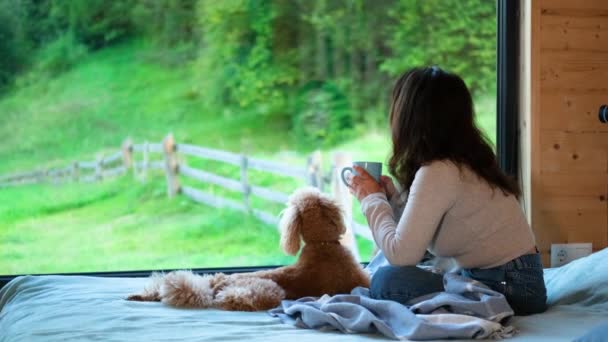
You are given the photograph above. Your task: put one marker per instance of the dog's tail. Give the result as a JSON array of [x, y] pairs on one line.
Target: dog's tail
[[151, 292], [186, 289]]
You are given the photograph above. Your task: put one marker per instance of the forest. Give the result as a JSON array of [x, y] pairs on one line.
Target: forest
[[324, 65]]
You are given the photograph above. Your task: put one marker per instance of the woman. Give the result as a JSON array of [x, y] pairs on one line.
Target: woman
[[455, 203]]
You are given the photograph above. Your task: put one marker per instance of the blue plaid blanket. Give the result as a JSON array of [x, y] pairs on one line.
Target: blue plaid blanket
[[466, 309]]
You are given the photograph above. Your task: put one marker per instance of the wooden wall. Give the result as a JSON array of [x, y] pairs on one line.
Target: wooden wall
[[564, 150]]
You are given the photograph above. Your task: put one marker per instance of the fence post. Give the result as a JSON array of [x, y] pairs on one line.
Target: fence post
[[127, 153], [244, 182], [50, 175], [40, 176], [315, 178], [170, 165], [345, 199], [145, 161], [75, 171], [98, 167]]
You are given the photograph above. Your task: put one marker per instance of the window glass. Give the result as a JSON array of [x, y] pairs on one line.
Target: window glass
[[93, 92]]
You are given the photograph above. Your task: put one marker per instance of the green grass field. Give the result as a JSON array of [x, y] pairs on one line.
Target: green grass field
[[119, 225], [124, 224]]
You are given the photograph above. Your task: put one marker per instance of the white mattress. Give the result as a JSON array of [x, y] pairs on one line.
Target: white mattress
[[75, 308]]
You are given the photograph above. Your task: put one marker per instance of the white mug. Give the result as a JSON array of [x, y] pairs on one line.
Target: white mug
[[373, 168]]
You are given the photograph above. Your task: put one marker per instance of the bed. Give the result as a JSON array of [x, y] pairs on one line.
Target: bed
[[77, 308]]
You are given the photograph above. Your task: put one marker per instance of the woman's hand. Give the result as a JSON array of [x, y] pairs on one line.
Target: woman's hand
[[389, 187], [363, 184]]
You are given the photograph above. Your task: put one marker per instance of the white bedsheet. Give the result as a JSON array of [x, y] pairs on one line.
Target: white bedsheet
[[75, 308]]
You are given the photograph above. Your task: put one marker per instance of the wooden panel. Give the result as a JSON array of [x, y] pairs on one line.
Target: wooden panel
[[568, 212], [562, 32], [573, 7], [574, 219], [574, 152], [543, 236], [548, 235], [573, 70], [573, 111], [573, 184], [591, 234], [570, 161], [570, 220], [593, 21]]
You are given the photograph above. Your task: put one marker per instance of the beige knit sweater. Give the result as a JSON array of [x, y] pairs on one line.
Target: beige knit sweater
[[453, 213]]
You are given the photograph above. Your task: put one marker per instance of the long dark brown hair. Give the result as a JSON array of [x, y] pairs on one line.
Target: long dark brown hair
[[432, 118]]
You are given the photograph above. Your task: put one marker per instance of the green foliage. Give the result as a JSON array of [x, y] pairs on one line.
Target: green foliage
[[32, 21], [323, 117], [262, 55], [115, 93], [169, 23], [10, 61], [58, 32], [16, 34], [96, 23], [237, 64], [430, 33], [348, 46], [259, 56], [60, 55]]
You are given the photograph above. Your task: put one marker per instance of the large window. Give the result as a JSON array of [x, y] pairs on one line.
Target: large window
[[90, 91]]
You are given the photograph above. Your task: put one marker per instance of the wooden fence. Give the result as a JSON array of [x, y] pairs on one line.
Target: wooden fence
[[102, 167], [169, 157]]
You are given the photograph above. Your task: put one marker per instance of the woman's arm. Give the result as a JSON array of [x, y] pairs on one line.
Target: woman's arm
[[396, 198], [397, 203], [433, 192]]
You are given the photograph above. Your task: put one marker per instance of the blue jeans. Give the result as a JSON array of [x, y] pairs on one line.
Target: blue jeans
[[520, 281]]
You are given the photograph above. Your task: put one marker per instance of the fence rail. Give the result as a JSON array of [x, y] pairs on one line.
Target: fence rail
[[170, 157], [207, 153], [113, 158], [278, 169], [86, 164], [208, 177]]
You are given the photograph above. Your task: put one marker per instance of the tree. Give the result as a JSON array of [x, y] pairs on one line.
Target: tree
[[459, 35], [96, 23], [169, 23], [23, 28]]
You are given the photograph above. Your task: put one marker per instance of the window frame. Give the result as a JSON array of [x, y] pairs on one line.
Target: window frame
[[507, 90], [507, 139]]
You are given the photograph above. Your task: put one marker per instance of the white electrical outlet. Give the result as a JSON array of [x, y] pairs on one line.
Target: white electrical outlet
[[563, 253]]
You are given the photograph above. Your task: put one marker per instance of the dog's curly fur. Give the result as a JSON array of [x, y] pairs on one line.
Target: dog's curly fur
[[324, 266]]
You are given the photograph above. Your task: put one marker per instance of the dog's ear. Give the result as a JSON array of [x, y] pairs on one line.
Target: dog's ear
[[290, 225]]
